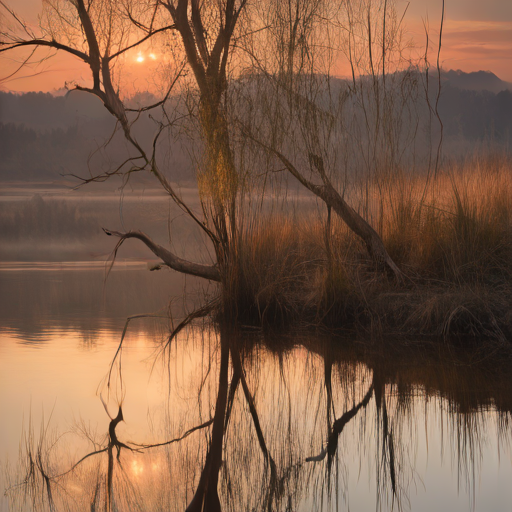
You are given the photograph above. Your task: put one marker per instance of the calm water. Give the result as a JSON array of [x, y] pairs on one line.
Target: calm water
[[308, 427]]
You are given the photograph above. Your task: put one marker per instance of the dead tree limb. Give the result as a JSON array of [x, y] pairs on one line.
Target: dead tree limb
[[210, 272], [333, 199], [337, 428]]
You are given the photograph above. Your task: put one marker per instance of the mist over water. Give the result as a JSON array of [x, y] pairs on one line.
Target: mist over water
[[59, 224]]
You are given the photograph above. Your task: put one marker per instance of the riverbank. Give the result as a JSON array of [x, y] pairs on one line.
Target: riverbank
[[450, 235]]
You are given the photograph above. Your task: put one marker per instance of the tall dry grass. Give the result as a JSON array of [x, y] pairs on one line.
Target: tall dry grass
[[277, 257], [457, 227], [451, 235]]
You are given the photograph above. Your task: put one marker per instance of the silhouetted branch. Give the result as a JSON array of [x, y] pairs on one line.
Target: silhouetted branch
[[162, 101], [166, 443], [4, 46], [103, 450], [210, 272], [338, 426], [239, 375], [441, 126], [198, 313], [145, 38]]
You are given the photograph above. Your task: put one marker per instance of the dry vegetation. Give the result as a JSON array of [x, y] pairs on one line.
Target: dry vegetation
[[452, 238]]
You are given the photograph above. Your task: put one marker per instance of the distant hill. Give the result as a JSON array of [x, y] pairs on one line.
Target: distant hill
[[475, 81], [43, 136]]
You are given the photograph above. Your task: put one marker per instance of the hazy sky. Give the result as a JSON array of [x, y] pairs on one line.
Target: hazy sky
[[477, 36], [477, 33]]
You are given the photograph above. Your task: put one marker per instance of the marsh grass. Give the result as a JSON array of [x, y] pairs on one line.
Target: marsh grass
[[457, 228], [278, 259], [451, 235]]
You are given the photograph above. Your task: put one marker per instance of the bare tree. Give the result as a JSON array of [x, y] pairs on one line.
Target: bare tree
[[99, 34], [214, 42], [325, 131]]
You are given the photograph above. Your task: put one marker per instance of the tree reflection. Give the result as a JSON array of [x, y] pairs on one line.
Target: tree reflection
[[282, 425]]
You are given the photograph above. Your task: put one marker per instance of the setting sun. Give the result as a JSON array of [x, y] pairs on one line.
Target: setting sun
[[142, 58]]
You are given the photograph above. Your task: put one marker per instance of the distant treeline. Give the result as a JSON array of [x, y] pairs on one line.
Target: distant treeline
[[38, 219], [35, 155], [46, 155], [476, 115], [43, 136]]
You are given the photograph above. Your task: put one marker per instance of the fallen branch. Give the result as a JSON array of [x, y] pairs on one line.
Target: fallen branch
[[334, 200]]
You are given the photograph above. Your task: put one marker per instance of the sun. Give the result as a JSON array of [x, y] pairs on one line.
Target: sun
[[142, 58]]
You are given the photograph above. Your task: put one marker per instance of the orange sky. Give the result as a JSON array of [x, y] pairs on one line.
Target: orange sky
[[477, 36]]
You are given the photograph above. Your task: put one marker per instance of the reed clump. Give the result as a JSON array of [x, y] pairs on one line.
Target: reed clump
[[276, 262], [451, 235], [457, 228]]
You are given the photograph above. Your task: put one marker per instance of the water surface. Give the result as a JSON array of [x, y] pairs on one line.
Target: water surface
[[317, 424]]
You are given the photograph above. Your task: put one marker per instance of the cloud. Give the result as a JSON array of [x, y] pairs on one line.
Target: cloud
[[485, 35], [481, 51], [479, 40], [473, 10], [470, 45]]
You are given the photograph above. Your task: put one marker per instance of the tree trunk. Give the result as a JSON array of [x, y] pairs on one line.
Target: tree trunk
[[206, 497], [360, 227]]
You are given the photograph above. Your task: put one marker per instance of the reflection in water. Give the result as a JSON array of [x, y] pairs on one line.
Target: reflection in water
[[40, 300], [220, 420], [306, 427]]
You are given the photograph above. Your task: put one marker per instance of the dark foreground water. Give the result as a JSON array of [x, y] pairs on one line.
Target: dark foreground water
[[302, 427]]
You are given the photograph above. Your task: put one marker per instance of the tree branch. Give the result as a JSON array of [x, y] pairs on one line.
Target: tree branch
[[43, 42], [339, 425], [332, 198], [145, 38], [210, 272], [166, 443]]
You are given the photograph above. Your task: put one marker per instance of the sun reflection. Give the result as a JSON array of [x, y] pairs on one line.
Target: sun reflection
[[152, 56]]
